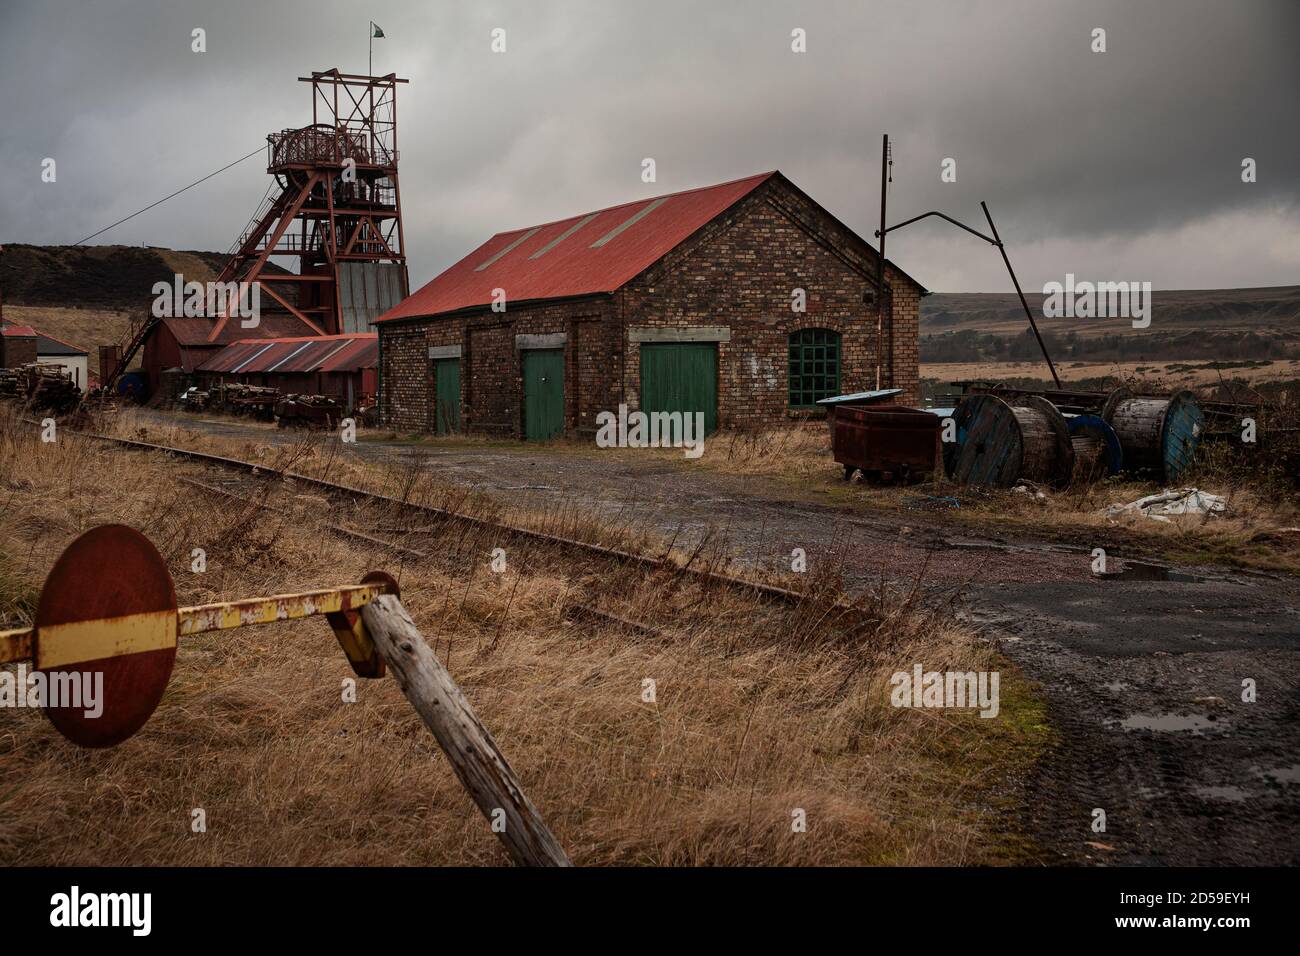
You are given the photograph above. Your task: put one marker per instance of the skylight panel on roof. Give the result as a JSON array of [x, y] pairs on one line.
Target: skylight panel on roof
[[289, 356], [562, 236], [241, 365], [630, 221], [514, 245], [332, 353]]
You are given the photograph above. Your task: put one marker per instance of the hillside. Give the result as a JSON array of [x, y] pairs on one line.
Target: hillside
[[1206, 324], [87, 295]]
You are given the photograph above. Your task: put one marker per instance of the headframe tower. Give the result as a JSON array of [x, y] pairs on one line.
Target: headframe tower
[[332, 220]]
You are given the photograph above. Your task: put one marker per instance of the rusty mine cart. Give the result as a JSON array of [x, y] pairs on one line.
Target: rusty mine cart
[[884, 442]]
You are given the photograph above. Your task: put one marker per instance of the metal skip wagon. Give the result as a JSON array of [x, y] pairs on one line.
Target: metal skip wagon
[[885, 442]]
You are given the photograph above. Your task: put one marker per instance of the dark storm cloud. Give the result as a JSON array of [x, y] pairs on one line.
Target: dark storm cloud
[[1125, 163]]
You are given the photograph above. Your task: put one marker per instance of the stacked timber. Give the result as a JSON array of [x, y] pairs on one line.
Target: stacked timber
[[42, 387], [237, 398]]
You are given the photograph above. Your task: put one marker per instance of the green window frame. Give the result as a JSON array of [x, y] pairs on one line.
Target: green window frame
[[814, 366]]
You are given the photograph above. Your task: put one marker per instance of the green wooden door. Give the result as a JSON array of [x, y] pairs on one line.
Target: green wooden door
[[543, 393], [681, 377], [446, 408]]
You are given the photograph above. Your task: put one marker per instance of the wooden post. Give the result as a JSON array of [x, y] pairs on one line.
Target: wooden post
[[468, 746]]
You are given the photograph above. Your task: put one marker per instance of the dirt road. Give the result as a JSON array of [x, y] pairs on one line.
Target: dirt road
[[1144, 672]]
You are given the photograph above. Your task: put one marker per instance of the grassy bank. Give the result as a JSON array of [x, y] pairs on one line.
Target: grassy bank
[[759, 710]]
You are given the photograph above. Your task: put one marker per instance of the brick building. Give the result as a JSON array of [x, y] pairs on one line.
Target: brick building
[[684, 302]]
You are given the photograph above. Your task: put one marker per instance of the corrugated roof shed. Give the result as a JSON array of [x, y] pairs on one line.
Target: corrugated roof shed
[[45, 344], [314, 353], [49, 345], [593, 252]]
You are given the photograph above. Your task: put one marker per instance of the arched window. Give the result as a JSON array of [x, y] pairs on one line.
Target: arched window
[[814, 366]]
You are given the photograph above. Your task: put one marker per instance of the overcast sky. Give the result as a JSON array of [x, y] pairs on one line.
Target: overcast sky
[[1117, 165]]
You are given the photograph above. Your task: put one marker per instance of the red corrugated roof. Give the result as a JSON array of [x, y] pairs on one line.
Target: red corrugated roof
[[363, 353], [558, 259], [18, 331], [312, 353]]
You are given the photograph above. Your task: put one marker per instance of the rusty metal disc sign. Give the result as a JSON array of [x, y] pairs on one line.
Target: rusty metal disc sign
[[105, 636]]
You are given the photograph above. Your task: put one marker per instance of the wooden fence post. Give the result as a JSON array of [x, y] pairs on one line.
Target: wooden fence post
[[468, 746]]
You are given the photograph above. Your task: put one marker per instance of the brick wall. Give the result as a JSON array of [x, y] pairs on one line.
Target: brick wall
[[904, 371], [16, 350], [739, 271], [491, 371], [406, 398]]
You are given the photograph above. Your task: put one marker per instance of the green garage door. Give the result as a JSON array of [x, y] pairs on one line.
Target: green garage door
[[681, 377], [446, 409], [543, 393]]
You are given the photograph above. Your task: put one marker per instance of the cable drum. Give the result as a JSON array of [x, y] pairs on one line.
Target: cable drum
[[1000, 444], [1159, 435], [1097, 450]]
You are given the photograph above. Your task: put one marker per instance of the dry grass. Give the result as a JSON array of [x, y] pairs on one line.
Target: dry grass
[[85, 328], [760, 709], [1252, 533], [1173, 373]]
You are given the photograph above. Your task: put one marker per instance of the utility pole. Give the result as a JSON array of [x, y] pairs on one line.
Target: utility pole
[[994, 240], [880, 264]]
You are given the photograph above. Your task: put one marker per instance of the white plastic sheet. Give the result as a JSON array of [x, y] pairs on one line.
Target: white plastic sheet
[[1177, 501]]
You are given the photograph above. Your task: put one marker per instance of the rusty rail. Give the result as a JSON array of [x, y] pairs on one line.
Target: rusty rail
[[771, 591]]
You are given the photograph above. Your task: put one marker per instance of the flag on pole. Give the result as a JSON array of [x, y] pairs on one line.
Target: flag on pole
[[375, 33]]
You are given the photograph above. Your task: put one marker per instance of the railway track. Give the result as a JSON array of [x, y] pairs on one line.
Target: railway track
[[439, 518]]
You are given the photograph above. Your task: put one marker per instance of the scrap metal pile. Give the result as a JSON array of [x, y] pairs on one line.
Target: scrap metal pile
[[232, 398], [41, 387], [308, 411], [267, 404]]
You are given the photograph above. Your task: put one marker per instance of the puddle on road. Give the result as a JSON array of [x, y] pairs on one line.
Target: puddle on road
[[1170, 723], [1115, 687], [1289, 774], [1231, 794], [1144, 571]]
